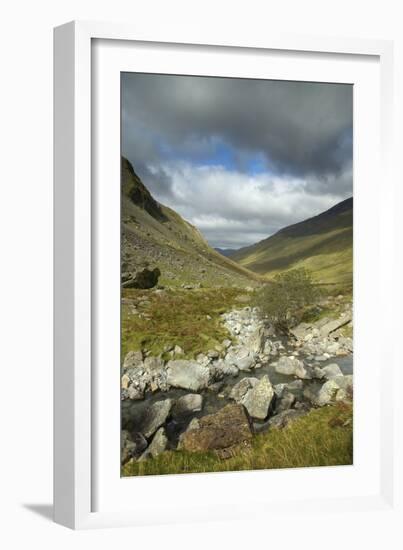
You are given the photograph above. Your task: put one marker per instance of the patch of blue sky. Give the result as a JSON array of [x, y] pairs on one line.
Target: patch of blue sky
[[213, 152]]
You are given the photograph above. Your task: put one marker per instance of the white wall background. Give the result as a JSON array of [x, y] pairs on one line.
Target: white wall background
[[26, 254]]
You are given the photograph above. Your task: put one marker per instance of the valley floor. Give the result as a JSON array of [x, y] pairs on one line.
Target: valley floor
[[208, 387]]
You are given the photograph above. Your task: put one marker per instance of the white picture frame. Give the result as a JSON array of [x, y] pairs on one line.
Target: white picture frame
[[78, 386]]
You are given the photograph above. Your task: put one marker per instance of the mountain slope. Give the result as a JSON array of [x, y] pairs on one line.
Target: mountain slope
[[154, 235], [323, 244]]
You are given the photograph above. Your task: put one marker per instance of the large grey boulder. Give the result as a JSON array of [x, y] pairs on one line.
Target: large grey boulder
[[135, 392], [188, 375], [155, 416], [289, 365], [323, 395], [157, 446], [241, 357], [187, 404], [258, 399], [331, 371], [221, 368], [240, 389]]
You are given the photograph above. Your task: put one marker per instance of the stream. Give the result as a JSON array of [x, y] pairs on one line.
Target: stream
[[213, 401]]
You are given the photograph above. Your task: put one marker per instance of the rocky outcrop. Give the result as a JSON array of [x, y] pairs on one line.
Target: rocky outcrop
[[226, 428], [255, 395], [331, 371], [189, 375], [333, 390], [240, 389], [291, 366], [132, 445], [188, 404], [155, 416], [324, 338], [143, 279], [258, 399], [157, 446]]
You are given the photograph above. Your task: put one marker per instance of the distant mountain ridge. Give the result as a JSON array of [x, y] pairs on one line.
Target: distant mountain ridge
[[226, 251], [323, 244]]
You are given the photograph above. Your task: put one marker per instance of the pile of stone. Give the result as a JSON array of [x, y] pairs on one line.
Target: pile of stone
[[324, 339]]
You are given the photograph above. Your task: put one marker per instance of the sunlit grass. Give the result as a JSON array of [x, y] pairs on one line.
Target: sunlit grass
[[188, 318], [324, 437]]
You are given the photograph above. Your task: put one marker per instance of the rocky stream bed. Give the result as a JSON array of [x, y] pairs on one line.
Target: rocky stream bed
[[247, 384]]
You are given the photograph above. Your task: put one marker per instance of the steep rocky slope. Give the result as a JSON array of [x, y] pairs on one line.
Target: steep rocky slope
[[155, 236]]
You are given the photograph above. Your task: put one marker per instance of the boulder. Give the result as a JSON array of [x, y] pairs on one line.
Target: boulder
[[334, 324], [131, 445], [289, 365], [155, 416], [240, 389], [284, 418], [228, 427], [344, 382], [286, 401], [301, 331], [221, 368], [157, 446], [258, 399], [203, 359], [153, 364], [295, 385], [135, 392], [279, 389], [331, 371], [323, 395], [132, 359], [125, 381], [333, 348], [303, 372], [188, 375], [187, 404], [194, 424], [241, 357], [143, 279]]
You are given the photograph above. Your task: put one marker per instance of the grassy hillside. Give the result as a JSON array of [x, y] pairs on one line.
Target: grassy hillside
[[322, 244], [154, 235]]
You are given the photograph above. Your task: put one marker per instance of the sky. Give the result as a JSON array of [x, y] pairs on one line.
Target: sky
[[238, 158]]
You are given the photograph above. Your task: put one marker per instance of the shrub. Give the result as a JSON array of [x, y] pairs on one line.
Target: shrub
[[283, 300]]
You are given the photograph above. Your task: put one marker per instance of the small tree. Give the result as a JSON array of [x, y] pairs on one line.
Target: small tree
[[282, 301]]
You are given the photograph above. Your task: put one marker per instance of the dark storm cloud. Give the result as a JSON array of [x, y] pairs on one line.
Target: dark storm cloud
[[281, 150], [300, 127]]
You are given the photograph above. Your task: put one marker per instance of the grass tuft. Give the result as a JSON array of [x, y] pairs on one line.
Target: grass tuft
[[188, 318], [324, 437]]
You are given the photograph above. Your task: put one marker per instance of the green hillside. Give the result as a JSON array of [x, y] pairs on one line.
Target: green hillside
[[322, 244], [154, 235]]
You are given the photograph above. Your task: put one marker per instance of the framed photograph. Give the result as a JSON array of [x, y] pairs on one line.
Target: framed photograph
[[221, 224]]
